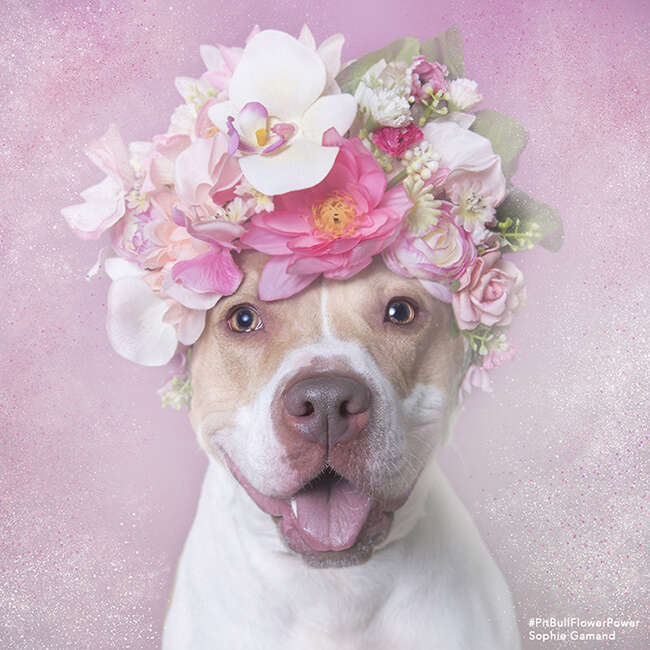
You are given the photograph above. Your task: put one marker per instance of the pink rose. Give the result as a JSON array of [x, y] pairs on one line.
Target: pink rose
[[426, 76], [490, 290], [443, 251], [395, 140]]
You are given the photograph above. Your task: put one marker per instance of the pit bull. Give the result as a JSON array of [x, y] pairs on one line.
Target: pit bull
[[324, 521]]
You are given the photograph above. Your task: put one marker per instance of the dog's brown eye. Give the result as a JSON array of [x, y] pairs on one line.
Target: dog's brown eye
[[244, 319], [400, 311]]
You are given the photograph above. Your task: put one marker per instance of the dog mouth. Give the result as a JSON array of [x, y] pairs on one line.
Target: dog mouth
[[327, 514]]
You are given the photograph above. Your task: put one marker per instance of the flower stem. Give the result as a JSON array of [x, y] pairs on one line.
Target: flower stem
[[396, 180]]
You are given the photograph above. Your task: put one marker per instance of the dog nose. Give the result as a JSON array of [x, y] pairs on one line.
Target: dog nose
[[327, 408]]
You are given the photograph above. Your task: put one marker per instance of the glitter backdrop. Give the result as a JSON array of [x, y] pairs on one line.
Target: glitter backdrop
[[98, 485]]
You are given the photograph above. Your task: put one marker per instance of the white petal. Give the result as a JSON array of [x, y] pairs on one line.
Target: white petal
[[191, 326], [338, 111], [302, 164], [103, 207], [307, 38], [117, 268], [188, 298], [135, 323], [330, 52], [219, 112], [279, 72], [464, 120], [211, 57]]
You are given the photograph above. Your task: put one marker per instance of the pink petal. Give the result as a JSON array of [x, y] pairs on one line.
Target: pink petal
[[264, 241], [276, 283], [212, 272]]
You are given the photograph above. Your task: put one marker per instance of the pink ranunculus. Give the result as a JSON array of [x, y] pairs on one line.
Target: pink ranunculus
[[427, 76], [442, 252], [490, 290], [206, 176], [333, 228], [395, 140]]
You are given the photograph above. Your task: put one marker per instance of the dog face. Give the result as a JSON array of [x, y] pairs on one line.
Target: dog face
[[327, 406]]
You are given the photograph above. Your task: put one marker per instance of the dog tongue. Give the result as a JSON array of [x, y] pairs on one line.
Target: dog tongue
[[332, 514]]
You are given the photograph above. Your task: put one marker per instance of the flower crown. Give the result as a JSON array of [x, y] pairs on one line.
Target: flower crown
[[278, 148]]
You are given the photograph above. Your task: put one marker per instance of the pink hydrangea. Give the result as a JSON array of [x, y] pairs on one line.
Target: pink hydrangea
[[333, 228], [427, 76], [490, 290], [395, 140], [443, 251]]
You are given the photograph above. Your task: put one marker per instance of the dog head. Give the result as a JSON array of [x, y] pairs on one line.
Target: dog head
[[326, 406]]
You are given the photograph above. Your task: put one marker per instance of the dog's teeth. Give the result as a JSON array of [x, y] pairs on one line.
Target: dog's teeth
[[294, 508]]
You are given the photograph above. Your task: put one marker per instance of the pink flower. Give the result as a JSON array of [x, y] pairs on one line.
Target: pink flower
[[427, 76], [333, 228], [475, 377], [490, 290], [498, 356], [443, 251], [206, 175], [104, 203], [395, 140]]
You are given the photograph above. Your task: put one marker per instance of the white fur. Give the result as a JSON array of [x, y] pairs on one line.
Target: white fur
[[431, 586]]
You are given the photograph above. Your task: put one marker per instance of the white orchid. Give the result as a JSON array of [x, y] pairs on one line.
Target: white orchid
[[277, 113], [144, 326]]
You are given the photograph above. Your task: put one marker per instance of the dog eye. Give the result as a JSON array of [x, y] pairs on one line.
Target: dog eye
[[244, 318], [400, 311]]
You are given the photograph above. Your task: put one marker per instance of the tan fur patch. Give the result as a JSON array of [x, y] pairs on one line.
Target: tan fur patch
[[228, 369]]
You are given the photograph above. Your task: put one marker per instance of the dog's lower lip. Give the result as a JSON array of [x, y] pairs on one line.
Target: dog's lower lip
[[326, 514]]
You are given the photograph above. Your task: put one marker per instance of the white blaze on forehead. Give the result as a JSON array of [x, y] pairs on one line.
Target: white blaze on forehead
[[326, 322]]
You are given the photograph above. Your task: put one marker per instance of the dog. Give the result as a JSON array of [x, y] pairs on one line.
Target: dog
[[323, 520]]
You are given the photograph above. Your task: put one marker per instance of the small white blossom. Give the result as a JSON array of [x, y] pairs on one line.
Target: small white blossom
[[472, 212], [183, 120], [421, 160], [463, 94], [383, 93], [426, 209]]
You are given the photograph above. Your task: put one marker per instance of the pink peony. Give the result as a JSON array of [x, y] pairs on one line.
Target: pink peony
[[427, 76], [333, 228], [490, 290], [443, 251], [395, 140]]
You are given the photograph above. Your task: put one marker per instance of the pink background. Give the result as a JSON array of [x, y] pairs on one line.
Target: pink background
[[98, 484]]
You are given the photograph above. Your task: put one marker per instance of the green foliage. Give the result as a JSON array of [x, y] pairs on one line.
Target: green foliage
[[403, 49], [523, 222], [448, 49], [508, 137]]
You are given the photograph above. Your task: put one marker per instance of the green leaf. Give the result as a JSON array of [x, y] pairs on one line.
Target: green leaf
[[448, 49], [507, 136], [534, 220], [403, 49]]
